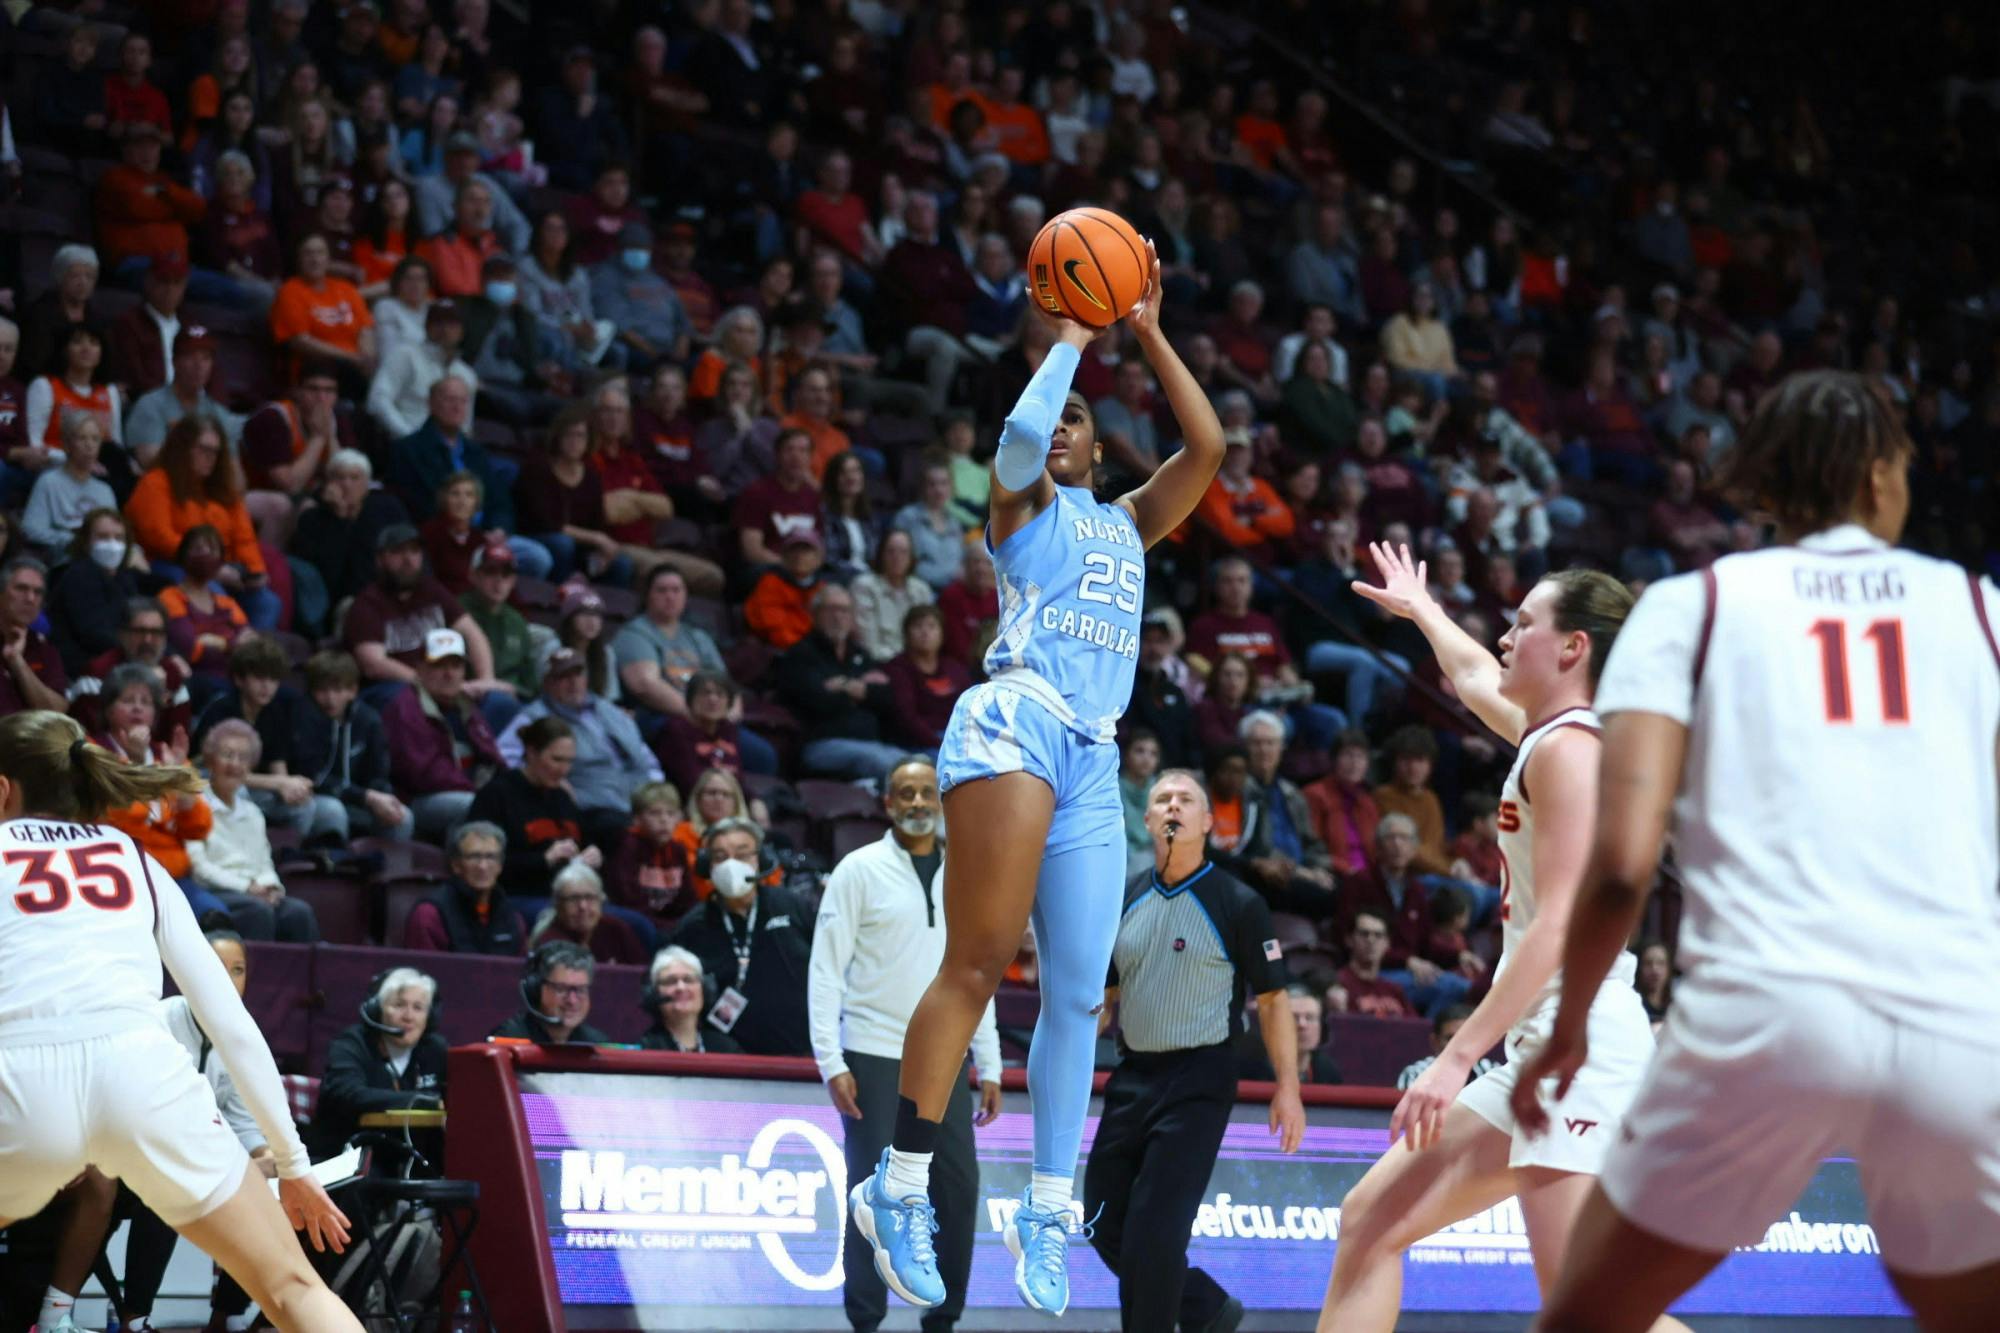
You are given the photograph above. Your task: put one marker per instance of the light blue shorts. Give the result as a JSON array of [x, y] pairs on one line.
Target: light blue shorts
[[995, 730]]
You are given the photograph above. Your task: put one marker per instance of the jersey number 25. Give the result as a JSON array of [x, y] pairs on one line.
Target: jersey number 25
[[43, 889], [1099, 576]]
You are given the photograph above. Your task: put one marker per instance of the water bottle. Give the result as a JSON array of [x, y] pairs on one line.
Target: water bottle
[[462, 1318]]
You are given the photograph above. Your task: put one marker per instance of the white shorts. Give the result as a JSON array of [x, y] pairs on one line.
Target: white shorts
[[1756, 1084], [1583, 1125], [130, 1104]]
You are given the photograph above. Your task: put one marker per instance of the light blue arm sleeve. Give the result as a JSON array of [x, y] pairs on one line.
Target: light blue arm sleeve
[[1024, 439]]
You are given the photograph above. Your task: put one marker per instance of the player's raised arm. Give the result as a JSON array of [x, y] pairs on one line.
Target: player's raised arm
[[1473, 672], [1170, 495], [1021, 482]]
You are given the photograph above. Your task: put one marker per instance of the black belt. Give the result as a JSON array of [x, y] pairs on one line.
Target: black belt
[[1168, 1059]]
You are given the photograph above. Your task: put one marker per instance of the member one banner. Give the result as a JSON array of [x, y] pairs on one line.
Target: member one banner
[[678, 1203]]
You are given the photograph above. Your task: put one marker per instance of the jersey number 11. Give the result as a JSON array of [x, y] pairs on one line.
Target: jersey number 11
[[1887, 636]]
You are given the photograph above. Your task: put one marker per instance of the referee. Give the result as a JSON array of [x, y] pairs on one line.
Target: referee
[[1191, 939], [877, 944]]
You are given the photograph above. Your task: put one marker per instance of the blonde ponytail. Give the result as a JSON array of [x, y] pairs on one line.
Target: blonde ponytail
[[63, 775]]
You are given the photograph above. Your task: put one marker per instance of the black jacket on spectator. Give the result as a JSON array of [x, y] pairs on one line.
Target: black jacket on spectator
[[85, 608], [533, 818], [1162, 707], [504, 932], [359, 1079], [276, 725], [343, 549], [344, 758], [803, 671], [774, 1020], [713, 1041], [524, 1026]]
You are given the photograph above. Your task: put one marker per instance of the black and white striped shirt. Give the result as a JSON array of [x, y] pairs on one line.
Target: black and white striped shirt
[[1185, 955]]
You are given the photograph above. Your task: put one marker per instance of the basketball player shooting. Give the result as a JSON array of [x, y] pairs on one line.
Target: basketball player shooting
[[1456, 1149], [1818, 720], [1029, 767], [89, 1074]]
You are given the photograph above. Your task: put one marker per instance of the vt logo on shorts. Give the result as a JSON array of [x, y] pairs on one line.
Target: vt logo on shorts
[[1579, 1127]]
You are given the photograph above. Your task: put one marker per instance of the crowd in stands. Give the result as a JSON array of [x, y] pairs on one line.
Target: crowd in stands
[[561, 445]]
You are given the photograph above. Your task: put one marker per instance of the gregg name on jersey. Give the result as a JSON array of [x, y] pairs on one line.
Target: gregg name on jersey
[[1863, 587]]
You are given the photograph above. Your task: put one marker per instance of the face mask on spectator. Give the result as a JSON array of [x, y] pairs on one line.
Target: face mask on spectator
[[638, 261], [108, 555], [501, 293], [734, 880], [203, 565]]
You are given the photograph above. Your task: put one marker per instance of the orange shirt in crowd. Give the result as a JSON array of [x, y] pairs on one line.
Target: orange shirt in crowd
[[332, 312], [164, 831], [828, 440], [144, 213], [1227, 830], [378, 263], [159, 522], [706, 379], [1263, 137], [779, 610], [1021, 136], [456, 260], [1245, 518]]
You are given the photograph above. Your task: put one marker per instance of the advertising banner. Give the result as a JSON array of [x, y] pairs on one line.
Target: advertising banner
[[680, 1203]]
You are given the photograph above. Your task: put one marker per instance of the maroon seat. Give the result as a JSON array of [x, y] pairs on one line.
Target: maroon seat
[[398, 897], [619, 603], [677, 534], [767, 787], [538, 593], [748, 659], [1294, 932], [345, 906], [828, 800], [1372, 1051], [711, 615], [845, 835], [406, 860]]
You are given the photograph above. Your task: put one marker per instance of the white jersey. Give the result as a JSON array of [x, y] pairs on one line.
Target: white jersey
[[1518, 902], [1836, 818], [86, 920]]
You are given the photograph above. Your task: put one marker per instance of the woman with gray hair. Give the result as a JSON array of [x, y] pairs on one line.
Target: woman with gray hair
[[677, 997], [46, 323], [576, 913], [234, 861], [393, 1059]]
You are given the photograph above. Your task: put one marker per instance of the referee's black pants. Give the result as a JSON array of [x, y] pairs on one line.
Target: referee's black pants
[[1164, 1114], [954, 1193]]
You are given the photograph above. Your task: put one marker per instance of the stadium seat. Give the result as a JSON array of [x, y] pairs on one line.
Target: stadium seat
[[399, 895], [845, 835], [677, 534], [344, 905], [536, 593], [827, 800], [1294, 932]]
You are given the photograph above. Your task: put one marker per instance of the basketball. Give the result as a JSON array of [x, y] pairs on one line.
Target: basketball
[[1088, 265]]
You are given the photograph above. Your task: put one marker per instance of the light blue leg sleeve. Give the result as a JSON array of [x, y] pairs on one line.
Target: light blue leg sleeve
[[1077, 903], [1024, 439]]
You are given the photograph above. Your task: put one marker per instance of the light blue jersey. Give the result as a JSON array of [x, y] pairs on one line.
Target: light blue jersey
[[1072, 588]]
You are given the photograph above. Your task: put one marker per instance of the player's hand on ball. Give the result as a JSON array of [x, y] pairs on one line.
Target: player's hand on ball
[[1559, 1059], [309, 1210], [1403, 589]]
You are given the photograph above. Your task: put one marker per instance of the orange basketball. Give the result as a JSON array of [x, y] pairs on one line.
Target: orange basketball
[[1088, 265]]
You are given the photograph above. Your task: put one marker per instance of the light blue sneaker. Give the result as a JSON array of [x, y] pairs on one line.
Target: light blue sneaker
[[1039, 1242], [900, 1233]]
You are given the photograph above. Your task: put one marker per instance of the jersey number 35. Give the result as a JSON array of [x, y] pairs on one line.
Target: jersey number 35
[[99, 884]]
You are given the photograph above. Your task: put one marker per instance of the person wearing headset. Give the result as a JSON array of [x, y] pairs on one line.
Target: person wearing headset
[[391, 1060], [555, 999], [754, 941], [677, 997]]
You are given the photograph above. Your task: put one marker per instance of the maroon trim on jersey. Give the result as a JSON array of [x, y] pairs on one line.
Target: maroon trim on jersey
[[1979, 609], [146, 870], [1580, 725], [1710, 592]]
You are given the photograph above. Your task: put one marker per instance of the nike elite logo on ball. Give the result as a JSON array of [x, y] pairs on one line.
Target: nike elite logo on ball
[[1069, 271]]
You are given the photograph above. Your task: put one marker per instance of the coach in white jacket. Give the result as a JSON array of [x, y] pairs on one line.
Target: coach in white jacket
[[876, 946]]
